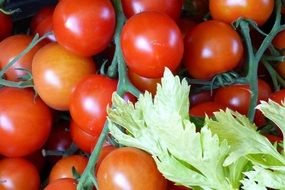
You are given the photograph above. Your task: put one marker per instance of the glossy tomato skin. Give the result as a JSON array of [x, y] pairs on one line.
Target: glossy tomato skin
[[25, 122], [135, 168], [200, 97], [170, 7], [144, 83], [89, 102], [279, 43], [150, 42], [278, 96], [211, 47], [63, 183], [206, 108], [81, 138], [10, 48], [85, 31], [237, 97], [41, 15], [56, 72], [6, 26], [18, 174], [228, 11], [105, 151], [63, 168]]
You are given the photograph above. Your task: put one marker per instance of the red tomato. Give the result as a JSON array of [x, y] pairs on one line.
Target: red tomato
[[63, 168], [278, 96], [25, 122], [129, 168], [207, 108], [60, 184], [89, 101], [41, 15], [81, 138], [44, 27], [237, 97], [10, 48], [212, 47], [128, 97], [150, 42], [143, 83], [86, 30], [37, 159], [18, 174], [172, 186], [198, 98], [56, 72], [6, 26], [279, 42], [105, 151], [186, 25], [170, 7], [229, 11], [59, 140], [273, 138]]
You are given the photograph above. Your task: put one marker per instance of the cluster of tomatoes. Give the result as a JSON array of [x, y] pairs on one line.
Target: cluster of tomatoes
[[67, 92]]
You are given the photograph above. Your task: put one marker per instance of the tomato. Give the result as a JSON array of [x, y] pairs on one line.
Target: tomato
[[105, 151], [18, 174], [150, 42], [237, 97], [89, 101], [198, 98], [186, 25], [81, 138], [41, 15], [25, 122], [170, 7], [279, 42], [59, 140], [229, 11], [211, 47], [63, 168], [56, 72], [144, 83], [38, 160], [273, 138], [86, 30], [6, 26], [278, 96], [128, 97], [207, 108], [172, 186], [129, 168], [60, 184], [10, 48]]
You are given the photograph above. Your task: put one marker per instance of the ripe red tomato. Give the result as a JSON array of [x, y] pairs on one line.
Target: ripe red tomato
[[105, 151], [129, 168], [63, 168], [59, 140], [172, 186], [10, 48], [25, 122], [18, 174], [86, 30], [273, 138], [237, 97], [206, 108], [81, 138], [229, 11], [170, 7], [278, 96], [212, 47], [56, 72], [186, 25], [89, 101], [144, 83], [6, 26], [198, 98], [41, 15], [150, 42], [63, 183], [279, 42]]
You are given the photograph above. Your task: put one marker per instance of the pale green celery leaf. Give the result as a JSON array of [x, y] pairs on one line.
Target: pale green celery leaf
[[236, 170], [162, 128], [243, 139], [275, 112], [260, 178]]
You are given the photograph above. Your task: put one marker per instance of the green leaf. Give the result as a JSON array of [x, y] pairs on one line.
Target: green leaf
[[161, 127], [244, 140], [261, 179]]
